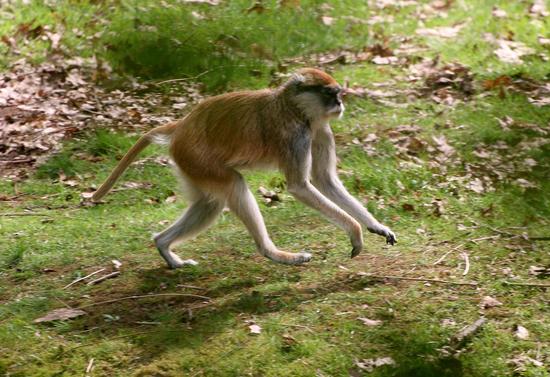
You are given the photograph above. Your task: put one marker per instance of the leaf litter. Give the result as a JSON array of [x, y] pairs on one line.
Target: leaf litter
[[42, 105]]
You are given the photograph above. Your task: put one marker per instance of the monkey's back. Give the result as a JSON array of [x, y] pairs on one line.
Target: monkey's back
[[228, 131]]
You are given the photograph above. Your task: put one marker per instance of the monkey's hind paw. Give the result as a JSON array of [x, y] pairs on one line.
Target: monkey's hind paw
[[301, 258], [355, 252], [180, 263]]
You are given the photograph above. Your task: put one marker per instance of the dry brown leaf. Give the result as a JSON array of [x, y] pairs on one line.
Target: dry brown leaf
[[60, 315], [499, 13], [368, 365], [538, 9], [327, 20], [441, 31], [255, 329], [521, 332], [489, 302], [511, 51], [370, 322]]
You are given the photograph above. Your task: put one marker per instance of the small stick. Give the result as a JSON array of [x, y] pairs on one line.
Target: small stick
[[104, 277], [298, 326], [146, 296], [83, 278], [14, 214], [467, 262], [485, 238], [418, 279], [90, 366], [540, 238], [190, 287], [462, 336], [109, 339], [527, 284], [447, 253]]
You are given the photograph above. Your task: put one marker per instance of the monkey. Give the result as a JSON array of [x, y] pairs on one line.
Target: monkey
[[286, 128]]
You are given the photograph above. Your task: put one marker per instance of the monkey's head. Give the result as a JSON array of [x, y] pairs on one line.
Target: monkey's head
[[318, 95]]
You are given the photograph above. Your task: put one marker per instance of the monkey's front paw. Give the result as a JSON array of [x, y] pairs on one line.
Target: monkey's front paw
[[386, 232], [391, 238]]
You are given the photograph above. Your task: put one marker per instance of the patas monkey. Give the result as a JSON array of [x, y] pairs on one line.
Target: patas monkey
[[287, 128]]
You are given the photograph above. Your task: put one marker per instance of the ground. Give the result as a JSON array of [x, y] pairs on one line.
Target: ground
[[444, 139]]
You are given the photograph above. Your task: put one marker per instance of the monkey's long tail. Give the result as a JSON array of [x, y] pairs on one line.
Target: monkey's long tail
[[141, 144]]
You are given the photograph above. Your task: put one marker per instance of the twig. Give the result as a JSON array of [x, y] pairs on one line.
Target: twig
[[190, 287], [109, 339], [90, 366], [20, 161], [475, 240], [458, 340], [417, 279], [13, 214], [104, 277], [467, 262], [527, 284], [447, 253], [547, 238], [298, 326], [83, 278], [145, 296]]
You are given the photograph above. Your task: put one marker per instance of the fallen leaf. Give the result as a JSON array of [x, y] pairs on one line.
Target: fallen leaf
[[117, 263], [384, 60], [442, 145], [87, 195], [538, 8], [489, 302], [476, 185], [327, 20], [255, 329], [539, 271], [521, 332], [369, 364], [209, 2], [441, 31], [499, 13], [524, 183], [257, 7], [511, 52], [60, 315], [522, 361], [448, 322], [370, 322], [407, 207], [171, 199]]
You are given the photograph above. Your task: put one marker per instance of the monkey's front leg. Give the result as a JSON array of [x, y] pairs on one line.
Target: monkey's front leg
[[309, 195], [326, 179], [335, 190]]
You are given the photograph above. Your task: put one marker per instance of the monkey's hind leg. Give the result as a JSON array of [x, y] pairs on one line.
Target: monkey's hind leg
[[242, 203], [198, 217]]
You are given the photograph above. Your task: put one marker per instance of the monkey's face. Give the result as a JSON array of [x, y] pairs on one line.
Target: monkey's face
[[323, 101]]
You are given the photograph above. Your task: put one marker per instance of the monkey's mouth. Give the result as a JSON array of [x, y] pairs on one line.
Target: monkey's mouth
[[337, 111]]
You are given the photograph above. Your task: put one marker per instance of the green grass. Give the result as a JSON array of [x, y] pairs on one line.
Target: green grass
[[308, 314]]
